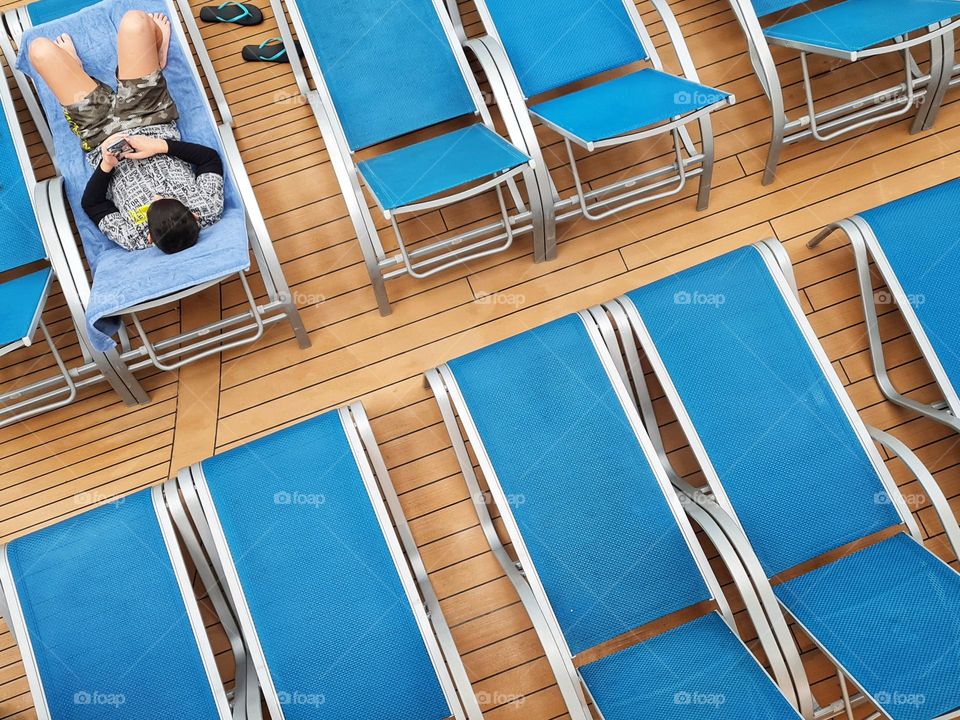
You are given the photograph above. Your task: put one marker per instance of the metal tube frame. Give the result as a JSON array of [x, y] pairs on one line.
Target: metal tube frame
[[866, 247], [496, 63], [778, 264], [117, 366], [928, 90], [522, 573], [451, 673], [380, 266]]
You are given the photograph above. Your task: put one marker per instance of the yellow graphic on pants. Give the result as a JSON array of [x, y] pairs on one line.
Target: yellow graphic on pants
[[75, 129]]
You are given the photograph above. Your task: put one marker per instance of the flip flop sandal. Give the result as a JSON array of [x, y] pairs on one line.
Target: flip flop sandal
[[234, 12], [270, 50]]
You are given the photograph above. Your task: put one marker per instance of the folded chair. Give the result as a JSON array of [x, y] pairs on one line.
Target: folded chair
[[306, 534], [783, 449], [912, 243], [105, 618], [601, 543], [851, 30], [382, 73], [542, 46], [126, 284]]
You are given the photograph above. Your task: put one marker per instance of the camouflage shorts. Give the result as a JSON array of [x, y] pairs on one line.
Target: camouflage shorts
[[134, 104]]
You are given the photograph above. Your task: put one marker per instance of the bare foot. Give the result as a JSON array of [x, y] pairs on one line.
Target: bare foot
[[65, 43], [163, 49]]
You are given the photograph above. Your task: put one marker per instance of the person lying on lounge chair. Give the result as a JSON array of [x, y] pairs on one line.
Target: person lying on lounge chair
[[148, 186]]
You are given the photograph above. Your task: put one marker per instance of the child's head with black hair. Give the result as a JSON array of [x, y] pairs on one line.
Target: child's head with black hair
[[173, 228]]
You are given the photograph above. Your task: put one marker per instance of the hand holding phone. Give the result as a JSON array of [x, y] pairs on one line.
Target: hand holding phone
[[120, 147]]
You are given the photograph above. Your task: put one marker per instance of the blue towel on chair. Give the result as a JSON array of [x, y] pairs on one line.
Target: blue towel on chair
[[123, 279]]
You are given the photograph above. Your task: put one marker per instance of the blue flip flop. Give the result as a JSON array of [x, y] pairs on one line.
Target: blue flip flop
[[270, 50], [234, 12]]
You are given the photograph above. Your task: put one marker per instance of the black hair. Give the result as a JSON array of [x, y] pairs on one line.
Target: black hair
[[173, 228]]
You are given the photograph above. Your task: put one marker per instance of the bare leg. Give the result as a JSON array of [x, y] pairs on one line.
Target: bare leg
[[61, 69], [142, 43]]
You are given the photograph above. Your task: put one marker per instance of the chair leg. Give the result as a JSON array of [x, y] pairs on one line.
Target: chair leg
[[941, 71], [777, 132], [706, 171]]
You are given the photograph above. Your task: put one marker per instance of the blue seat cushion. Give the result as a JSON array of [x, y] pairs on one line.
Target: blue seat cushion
[[20, 299], [856, 25], [625, 104], [699, 669], [427, 168], [890, 614], [327, 602], [106, 618], [919, 235]]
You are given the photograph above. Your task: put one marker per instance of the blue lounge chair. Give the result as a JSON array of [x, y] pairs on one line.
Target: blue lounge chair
[[126, 284], [23, 294], [383, 73], [104, 615], [543, 46], [913, 245], [307, 536], [602, 545], [851, 30], [783, 450]]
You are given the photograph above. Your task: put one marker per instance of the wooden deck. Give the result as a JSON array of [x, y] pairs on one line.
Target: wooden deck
[[60, 463]]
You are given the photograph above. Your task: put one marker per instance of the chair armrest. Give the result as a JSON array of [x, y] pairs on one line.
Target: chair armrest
[[929, 484], [758, 596], [677, 39]]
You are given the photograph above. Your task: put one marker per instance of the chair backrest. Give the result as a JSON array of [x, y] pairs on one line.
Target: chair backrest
[[105, 616], [331, 615], [390, 67], [593, 515], [794, 467], [20, 240], [552, 43], [919, 242]]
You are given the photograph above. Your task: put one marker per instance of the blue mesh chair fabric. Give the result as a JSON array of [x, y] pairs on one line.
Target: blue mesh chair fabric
[[106, 617], [603, 539], [389, 67], [785, 452], [626, 104], [416, 172], [856, 25], [323, 591], [42, 11], [889, 615], [552, 43], [699, 669], [921, 240], [20, 299]]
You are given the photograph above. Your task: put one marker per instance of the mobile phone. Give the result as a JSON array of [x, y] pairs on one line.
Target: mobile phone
[[120, 147]]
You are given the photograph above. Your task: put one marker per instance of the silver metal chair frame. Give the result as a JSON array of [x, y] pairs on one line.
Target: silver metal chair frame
[[197, 509], [632, 339], [634, 191], [428, 258], [726, 536], [867, 247], [925, 90], [119, 366], [13, 614]]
